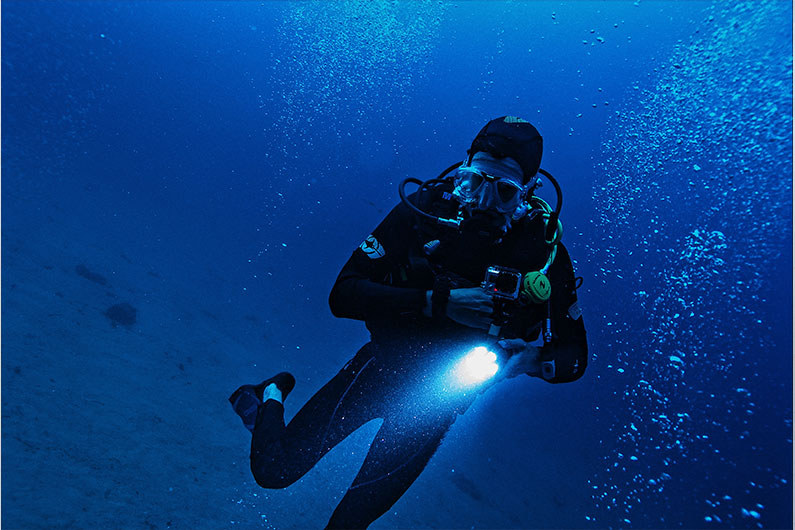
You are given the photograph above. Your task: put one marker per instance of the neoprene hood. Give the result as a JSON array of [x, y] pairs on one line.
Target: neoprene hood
[[512, 137]]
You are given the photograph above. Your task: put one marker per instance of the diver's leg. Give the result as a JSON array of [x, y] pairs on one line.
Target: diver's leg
[[281, 454], [398, 455]]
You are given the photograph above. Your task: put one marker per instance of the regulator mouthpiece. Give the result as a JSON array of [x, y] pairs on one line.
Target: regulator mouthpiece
[[536, 287]]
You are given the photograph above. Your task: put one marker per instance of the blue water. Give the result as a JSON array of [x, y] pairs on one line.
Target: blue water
[[217, 163]]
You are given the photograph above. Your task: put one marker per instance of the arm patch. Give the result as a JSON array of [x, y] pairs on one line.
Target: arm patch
[[372, 248]]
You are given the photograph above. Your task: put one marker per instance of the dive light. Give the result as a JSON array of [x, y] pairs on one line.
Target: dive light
[[476, 367]]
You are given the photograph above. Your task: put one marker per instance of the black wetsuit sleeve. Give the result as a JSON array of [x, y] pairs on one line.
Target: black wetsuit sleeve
[[567, 355], [362, 290]]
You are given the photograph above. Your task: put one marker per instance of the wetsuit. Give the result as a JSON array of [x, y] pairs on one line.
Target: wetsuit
[[399, 374]]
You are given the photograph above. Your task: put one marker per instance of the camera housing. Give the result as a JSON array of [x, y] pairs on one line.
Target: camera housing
[[502, 282]]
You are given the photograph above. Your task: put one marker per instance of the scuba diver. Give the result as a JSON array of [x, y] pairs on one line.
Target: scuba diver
[[463, 284]]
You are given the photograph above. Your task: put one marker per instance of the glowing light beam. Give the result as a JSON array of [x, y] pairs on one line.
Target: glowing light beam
[[477, 366]]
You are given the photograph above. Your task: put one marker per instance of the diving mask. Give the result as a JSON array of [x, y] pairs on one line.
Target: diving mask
[[484, 191]]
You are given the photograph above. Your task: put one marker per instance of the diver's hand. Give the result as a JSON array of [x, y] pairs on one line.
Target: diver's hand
[[471, 307], [524, 358]]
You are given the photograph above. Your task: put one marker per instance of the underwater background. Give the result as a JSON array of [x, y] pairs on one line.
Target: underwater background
[[182, 182]]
